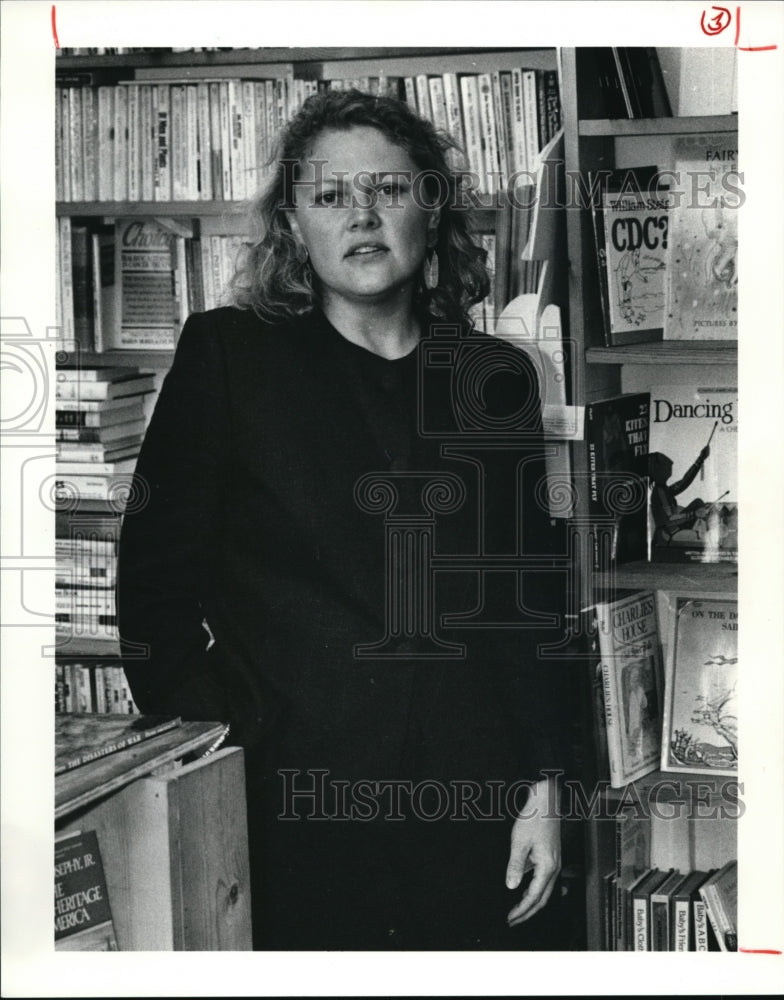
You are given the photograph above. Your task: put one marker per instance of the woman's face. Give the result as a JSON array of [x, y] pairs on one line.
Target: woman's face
[[356, 213]]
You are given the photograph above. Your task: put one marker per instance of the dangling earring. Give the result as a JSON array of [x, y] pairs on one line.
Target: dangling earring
[[431, 270]]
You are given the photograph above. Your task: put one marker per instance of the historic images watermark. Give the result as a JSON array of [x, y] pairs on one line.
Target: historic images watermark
[[314, 795]]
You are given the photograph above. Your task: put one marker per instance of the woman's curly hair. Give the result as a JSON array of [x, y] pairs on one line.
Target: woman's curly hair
[[274, 280]]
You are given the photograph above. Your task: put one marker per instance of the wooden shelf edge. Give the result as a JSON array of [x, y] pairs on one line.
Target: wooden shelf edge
[[664, 782], [157, 360], [609, 127], [670, 576], [81, 648], [667, 352]]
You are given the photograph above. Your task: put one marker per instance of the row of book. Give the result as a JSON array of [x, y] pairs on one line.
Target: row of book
[[663, 481], [666, 910], [95, 688], [212, 139], [666, 251], [663, 676], [132, 285]]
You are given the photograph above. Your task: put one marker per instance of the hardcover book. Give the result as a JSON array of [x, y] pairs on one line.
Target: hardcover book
[[641, 908], [661, 915], [82, 913], [616, 431], [631, 678], [630, 219], [720, 895], [684, 897], [702, 247], [80, 738], [693, 512], [700, 731]]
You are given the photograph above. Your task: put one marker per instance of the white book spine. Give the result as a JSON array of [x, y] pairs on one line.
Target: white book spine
[[65, 131], [470, 94], [134, 141], [147, 149], [120, 144], [438, 102], [76, 162], [249, 137], [192, 141], [454, 118], [489, 136], [90, 143], [105, 143], [225, 122], [68, 329]]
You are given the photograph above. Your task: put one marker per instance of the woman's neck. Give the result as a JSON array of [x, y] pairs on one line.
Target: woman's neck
[[390, 330]]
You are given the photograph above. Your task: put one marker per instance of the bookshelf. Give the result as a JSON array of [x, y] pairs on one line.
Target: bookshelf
[[600, 372]]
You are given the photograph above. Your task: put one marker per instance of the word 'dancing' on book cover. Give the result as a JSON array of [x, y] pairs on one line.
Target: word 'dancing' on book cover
[[700, 713]]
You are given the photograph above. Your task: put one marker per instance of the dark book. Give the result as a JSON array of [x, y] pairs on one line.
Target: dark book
[[81, 263], [661, 922], [632, 860], [629, 211], [82, 912], [81, 737], [641, 908], [682, 918], [616, 431]]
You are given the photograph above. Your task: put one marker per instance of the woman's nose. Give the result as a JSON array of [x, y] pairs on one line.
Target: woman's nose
[[364, 214]]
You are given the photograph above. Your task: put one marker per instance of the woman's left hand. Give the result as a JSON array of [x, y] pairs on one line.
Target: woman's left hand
[[536, 842]]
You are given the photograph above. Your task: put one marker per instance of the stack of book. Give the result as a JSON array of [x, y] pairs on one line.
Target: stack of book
[[159, 138]]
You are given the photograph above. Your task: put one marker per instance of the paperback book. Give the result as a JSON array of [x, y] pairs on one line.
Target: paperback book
[[693, 500], [630, 219], [702, 271], [700, 729], [145, 263], [631, 680], [616, 431], [82, 912]]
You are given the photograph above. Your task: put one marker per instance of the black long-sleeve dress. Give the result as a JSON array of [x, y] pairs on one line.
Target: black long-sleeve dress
[[304, 496]]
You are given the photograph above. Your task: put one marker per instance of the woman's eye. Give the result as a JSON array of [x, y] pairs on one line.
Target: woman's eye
[[327, 198]]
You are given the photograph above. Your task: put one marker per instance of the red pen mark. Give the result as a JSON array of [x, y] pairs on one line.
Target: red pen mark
[[760, 951], [717, 22], [714, 24], [54, 27]]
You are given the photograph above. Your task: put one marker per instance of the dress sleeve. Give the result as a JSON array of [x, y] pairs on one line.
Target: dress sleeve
[[168, 528]]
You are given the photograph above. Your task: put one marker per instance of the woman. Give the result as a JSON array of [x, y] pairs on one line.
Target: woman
[[286, 426]]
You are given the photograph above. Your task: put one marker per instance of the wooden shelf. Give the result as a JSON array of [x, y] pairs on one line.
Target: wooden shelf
[[84, 647], [261, 56], [696, 125], [144, 209], [704, 577], [667, 352], [673, 786], [156, 360]]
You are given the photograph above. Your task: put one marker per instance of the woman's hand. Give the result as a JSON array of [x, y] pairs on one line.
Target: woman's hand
[[536, 843]]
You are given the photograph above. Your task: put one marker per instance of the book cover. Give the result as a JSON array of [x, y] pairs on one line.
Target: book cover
[[631, 680], [700, 730], [661, 924], [144, 273], [630, 218], [641, 908], [694, 438], [684, 896], [81, 738], [720, 895], [702, 245], [616, 431], [82, 911]]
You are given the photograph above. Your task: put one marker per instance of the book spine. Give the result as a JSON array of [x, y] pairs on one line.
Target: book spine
[[120, 144], [530, 118], [134, 142], [500, 123], [164, 144], [58, 146], [249, 137], [680, 922], [65, 131], [438, 102], [177, 126], [216, 152], [225, 124], [205, 146], [147, 145], [67, 340], [423, 97], [454, 118], [518, 122], [611, 717], [192, 142], [76, 162], [82, 293], [105, 143], [90, 143], [409, 85], [100, 689], [700, 918], [473, 129], [488, 133], [507, 109], [206, 273]]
